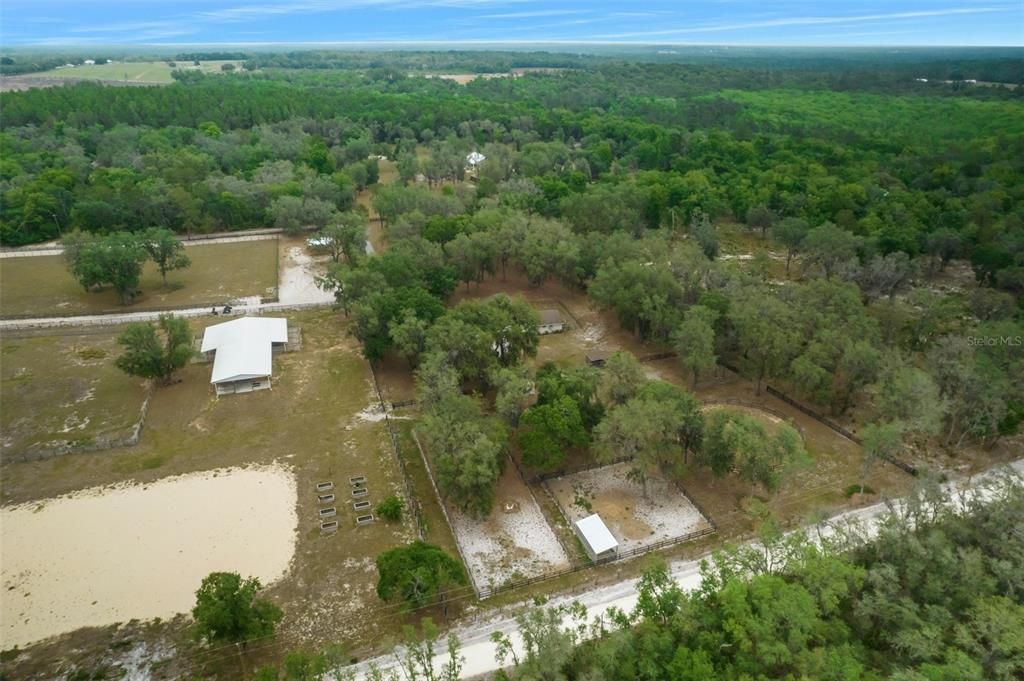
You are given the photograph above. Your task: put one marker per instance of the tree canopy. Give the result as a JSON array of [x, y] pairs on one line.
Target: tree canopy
[[228, 610], [417, 574]]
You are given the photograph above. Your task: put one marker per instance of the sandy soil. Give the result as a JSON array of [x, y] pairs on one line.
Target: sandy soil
[[297, 278], [107, 555], [634, 519], [508, 545]]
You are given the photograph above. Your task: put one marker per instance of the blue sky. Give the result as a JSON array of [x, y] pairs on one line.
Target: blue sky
[[739, 22]]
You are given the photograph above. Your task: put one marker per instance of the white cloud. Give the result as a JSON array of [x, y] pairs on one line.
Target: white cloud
[[531, 14], [804, 21]]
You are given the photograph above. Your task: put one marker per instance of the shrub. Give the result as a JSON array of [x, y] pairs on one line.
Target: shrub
[[391, 509], [855, 489]]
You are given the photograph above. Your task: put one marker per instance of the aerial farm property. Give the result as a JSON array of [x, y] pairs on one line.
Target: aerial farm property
[[401, 363]]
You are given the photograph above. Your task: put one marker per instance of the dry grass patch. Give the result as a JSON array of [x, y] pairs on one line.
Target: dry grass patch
[[39, 286], [64, 391]]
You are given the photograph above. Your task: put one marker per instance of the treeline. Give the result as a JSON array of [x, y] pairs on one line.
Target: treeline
[[211, 56], [18, 64], [453, 61], [904, 191], [936, 595]]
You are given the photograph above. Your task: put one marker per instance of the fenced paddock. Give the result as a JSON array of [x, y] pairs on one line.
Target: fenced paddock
[[637, 519], [513, 543]]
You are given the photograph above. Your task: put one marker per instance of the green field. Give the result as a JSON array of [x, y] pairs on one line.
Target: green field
[[141, 72], [41, 285]]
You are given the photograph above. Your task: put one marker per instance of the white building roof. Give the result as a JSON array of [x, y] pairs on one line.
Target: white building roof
[[596, 533], [475, 158], [548, 317], [244, 347]]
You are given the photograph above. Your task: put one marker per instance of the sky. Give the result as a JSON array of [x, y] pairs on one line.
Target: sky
[[720, 22]]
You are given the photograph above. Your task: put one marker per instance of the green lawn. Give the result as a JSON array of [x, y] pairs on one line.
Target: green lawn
[[142, 72], [41, 285]]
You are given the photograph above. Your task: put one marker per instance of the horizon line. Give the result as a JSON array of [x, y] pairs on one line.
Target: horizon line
[[633, 43]]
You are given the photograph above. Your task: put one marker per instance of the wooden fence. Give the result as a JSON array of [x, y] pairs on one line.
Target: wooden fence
[[414, 507], [821, 418]]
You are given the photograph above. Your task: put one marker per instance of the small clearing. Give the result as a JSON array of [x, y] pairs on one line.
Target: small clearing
[[634, 519]]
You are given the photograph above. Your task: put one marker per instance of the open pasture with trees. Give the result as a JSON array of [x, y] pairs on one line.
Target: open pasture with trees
[[156, 72], [835, 462], [664, 207], [41, 286]]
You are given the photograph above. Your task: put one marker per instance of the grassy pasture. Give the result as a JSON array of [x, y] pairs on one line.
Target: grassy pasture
[[141, 72], [41, 285]]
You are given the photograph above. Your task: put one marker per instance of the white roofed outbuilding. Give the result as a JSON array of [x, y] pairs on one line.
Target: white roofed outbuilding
[[242, 352], [596, 537], [475, 158]]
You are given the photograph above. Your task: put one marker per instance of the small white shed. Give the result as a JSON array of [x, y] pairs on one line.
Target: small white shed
[[475, 158], [242, 351], [550, 322], [597, 539]]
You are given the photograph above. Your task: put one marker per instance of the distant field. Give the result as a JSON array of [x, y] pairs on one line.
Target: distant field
[[41, 285], [143, 72]]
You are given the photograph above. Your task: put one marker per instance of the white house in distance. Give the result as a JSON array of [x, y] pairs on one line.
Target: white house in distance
[[475, 158], [550, 322], [242, 351], [597, 539]]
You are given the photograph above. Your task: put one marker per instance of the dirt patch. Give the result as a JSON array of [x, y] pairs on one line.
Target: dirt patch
[[635, 518], [508, 545], [108, 555], [299, 272]]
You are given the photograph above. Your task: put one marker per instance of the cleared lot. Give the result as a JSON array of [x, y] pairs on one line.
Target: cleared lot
[[315, 421], [514, 542]]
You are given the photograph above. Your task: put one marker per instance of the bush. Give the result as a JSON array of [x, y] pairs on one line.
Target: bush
[[855, 489], [391, 509]]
